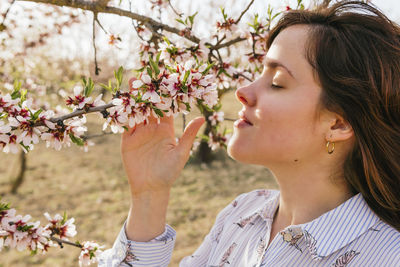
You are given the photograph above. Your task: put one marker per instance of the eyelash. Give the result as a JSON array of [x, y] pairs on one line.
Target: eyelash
[[276, 86]]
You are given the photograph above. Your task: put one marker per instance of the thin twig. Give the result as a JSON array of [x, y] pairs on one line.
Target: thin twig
[[244, 11], [244, 76], [184, 122], [228, 43], [220, 40], [77, 113], [61, 242], [8, 9], [87, 137], [96, 67], [101, 26], [173, 9], [133, 23]]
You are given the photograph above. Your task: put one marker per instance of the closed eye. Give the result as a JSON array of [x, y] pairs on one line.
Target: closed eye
[[276, 86]]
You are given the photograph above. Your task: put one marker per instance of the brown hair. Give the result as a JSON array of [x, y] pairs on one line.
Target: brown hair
[[354, 50]]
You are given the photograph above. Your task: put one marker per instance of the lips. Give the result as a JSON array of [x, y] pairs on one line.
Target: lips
[[244, 118]]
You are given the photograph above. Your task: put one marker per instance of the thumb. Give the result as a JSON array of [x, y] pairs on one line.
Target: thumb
[[189, 134]]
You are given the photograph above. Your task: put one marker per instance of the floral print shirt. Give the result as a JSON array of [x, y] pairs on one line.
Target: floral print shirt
[[349, 235]]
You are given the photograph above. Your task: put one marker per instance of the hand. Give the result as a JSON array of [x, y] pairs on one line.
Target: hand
[[151, 156]]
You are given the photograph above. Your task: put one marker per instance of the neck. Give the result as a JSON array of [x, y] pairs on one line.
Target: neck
[[307, 192]]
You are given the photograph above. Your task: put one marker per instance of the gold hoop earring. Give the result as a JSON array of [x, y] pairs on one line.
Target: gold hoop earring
[[327, 147]]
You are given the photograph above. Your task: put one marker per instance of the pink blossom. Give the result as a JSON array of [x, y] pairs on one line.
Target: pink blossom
[[216, 117], [89, 253]]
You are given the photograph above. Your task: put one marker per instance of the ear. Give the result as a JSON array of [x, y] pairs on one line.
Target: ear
[[340, 129]]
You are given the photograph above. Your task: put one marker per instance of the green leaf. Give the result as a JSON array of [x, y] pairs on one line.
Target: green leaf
[[89, 85], [4, 206], [223, 13], [35, 116], [200, 106], [154, 66], [118, 76], [158, 112], [23, 95], [191, 18], [187, 73], [188, 108], [181, 21], [76, 140], [150, 72], [208, 68], [166, 40], [208, 108], [24, 228], [65, 218], [17, 87], [277, 14], [172, 70], [107, 87], [158, 58], [15, 94]]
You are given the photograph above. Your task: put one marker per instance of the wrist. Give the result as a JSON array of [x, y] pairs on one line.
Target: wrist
[[147, 215]]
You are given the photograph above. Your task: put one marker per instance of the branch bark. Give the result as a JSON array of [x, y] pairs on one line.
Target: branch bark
[[60, 242], [244, 11], [77, 113], [94, 7]]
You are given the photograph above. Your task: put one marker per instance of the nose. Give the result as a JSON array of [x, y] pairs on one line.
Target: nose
[[246, 95]]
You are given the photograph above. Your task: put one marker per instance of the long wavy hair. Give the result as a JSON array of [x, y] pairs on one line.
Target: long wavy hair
[[354, 51]]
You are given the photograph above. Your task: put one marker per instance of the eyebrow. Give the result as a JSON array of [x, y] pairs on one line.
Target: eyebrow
[[274, 64]]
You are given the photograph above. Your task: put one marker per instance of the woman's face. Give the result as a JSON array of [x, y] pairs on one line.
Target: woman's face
[[283, 126]]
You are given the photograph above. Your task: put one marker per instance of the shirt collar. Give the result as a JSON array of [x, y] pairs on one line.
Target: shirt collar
[[333, 229], [267, 211], [339, 226]]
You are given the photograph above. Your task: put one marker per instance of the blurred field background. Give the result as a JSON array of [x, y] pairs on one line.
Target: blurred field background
[[92, 188]]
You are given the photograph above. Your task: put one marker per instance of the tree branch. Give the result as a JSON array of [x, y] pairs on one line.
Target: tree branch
[[61, 242], [96, 67], [173, 9], [8, 10], [228, 43], [244, 11], [77, 113], [94, 7]]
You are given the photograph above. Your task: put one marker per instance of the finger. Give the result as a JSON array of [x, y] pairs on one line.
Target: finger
[[189, 134], [129, 132], [167, 119]]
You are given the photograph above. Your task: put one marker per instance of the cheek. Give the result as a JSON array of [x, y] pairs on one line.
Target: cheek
[[285, 127]]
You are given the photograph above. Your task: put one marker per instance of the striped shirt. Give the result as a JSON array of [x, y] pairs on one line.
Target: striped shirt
[[349, 235]]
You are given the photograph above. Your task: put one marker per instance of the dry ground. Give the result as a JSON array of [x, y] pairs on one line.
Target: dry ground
[[92, 188]]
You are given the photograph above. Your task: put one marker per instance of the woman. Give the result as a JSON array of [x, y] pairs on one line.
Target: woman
[[324, 117]]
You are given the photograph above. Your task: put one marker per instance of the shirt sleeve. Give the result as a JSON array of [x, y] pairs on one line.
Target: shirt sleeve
[[201, 256], [158, 251], [124, 252]]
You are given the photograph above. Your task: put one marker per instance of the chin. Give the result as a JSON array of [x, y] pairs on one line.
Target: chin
[[237, 151]]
